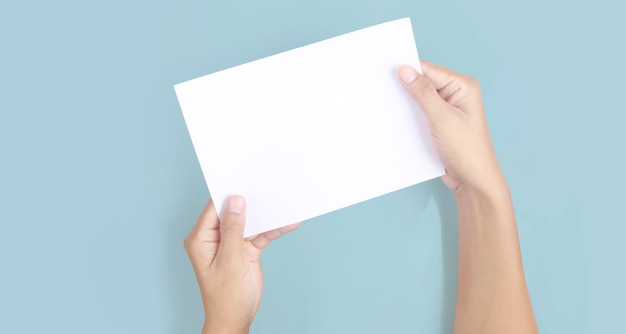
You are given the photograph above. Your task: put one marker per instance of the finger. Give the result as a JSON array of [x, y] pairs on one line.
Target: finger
[[262, 240], [205, 229], [439, 75], [455, 88], [422, 91], [208, 218], [232, 224]]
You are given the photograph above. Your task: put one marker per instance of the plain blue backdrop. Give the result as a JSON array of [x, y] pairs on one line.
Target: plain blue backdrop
[[99, 183]]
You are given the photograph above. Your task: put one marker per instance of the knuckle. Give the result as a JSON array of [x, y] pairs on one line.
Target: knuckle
[[192, 241], [472, 83], [460, 90], [187, 243]]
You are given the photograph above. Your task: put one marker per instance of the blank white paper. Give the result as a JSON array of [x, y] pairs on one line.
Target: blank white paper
[[311, 130]]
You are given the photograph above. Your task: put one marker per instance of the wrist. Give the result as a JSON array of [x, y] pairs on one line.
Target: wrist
[[494, 194], [211, 328]]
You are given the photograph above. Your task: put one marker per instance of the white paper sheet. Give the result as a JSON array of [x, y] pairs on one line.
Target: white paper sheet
[[311, 130]]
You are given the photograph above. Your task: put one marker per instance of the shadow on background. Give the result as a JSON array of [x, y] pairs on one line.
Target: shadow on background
[[448, 213], [181, 289]]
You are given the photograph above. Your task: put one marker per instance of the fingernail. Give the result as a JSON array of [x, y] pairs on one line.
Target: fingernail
[[408, 74], [236, 205]]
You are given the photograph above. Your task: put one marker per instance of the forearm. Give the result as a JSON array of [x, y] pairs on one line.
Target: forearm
[[492, 295], [225, 322], [209, 328]]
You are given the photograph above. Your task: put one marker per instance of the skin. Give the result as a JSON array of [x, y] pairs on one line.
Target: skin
[[228, 267], [492, 296]]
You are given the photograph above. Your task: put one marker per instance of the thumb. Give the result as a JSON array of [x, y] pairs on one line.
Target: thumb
[[232, 224], [422, 91]]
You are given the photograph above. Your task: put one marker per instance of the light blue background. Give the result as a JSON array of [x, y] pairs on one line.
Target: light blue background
[[99, 183]]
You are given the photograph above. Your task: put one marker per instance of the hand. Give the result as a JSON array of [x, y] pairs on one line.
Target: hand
[[453, 106], [491, 296], [228, 267]]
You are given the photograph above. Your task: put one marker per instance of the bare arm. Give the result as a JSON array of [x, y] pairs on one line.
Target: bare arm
[[492, 296]]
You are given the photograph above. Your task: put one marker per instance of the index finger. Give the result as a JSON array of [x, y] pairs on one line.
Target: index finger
[[208, 219], [439, 75], [457, 89]]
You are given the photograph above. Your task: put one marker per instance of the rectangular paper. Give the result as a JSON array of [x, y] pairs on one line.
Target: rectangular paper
[[311, 130]]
